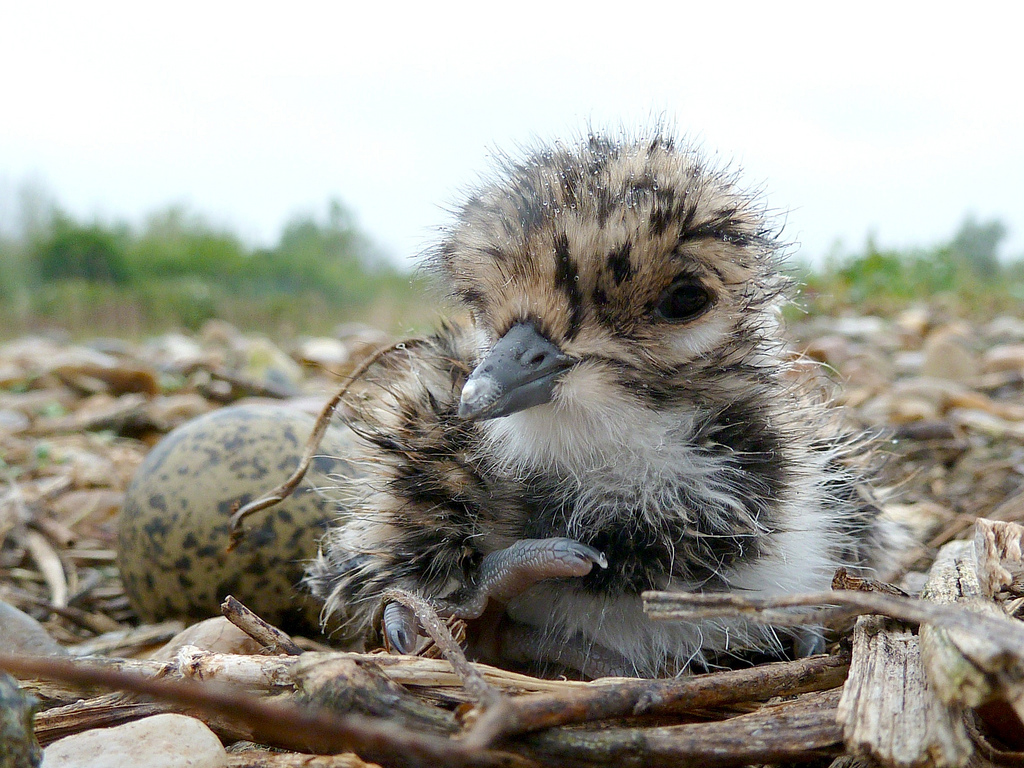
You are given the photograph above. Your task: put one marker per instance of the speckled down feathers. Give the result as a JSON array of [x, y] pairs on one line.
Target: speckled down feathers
[[688, 452]]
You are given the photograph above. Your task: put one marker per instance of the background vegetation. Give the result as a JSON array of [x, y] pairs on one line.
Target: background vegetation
[[965, 276], [178, 270]]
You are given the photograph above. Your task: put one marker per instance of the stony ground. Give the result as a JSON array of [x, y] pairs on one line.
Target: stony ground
[[76, 420]]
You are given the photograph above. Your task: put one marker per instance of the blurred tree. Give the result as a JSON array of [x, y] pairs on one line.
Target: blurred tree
[[977, 244], [70, 250], [332, 257], [176, 243]]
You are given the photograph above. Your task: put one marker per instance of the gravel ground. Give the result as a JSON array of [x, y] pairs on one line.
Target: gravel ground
[[76, 420]]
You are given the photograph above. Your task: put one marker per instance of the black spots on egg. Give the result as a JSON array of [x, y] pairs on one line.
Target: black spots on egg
[[157, 528], [287, 461], [208, 550], [327, 465], [292, 439], [567, 280], [233, 442], [227, 507], [158, 502], [295, 537]]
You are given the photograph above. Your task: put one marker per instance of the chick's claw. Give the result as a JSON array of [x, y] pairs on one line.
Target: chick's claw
[[507, 573], [502, 576], [401, 629]]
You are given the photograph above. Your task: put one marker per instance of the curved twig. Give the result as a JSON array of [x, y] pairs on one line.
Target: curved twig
[[323, 421]]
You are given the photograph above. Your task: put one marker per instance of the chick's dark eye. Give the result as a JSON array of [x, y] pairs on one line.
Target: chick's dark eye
[[683, 300]]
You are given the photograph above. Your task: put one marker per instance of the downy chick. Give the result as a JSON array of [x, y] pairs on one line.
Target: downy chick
[[619, 414]]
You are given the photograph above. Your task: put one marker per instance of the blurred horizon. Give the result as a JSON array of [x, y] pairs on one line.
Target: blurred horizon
[[889, 124]]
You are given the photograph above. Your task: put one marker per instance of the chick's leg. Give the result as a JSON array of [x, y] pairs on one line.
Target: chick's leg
[[502, 576], [507, 573]]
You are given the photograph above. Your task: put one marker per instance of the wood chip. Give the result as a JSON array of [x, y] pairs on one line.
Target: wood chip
[[888, 711]]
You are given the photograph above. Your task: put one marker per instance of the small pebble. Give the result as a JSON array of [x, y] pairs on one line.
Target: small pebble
[[21, 634], [217, 634], [161, 741]]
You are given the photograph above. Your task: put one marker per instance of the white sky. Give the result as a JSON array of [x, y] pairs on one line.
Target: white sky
[[892, 118]]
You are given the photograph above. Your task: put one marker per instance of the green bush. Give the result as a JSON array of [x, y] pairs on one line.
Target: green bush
[[964, 276], [69, 250], [179, 270], [177, 244]]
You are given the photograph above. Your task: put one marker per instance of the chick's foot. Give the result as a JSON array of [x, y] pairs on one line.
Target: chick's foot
[[502, 576]]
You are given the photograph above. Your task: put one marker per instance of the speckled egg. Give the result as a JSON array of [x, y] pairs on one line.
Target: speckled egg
[[173, 534]]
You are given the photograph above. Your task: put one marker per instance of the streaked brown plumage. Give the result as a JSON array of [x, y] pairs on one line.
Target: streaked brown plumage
[[622, 396]]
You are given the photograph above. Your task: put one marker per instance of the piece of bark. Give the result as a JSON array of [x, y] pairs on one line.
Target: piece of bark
[[261, 674], [124, 642], [999, 557], [960, 663], [346, 685], [50, 566], [888, 711], [967, 668]]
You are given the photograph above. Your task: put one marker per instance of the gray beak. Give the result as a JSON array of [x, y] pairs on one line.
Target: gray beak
[[519, 372]]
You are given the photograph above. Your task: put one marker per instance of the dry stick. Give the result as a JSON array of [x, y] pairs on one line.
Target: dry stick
[[267, 635], [94, 622], [323, 421], [100, 712], [273, 723], [1006, 633], [532, 712], [794, 731], [50, 566], [495, 705], [256, 759]]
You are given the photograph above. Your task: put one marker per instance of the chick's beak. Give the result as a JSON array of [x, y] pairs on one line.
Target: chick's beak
[[519, 372]]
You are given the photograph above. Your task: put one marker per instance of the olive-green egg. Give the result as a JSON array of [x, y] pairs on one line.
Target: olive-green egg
[[173, 533]]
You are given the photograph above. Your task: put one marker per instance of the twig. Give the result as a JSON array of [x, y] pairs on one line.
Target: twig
[[267, 635], [50, 565], [278, 724], [633, 698], [794, 731], [99, 623], [1006, 633], [488, 723], [323, 421], [254, 759]]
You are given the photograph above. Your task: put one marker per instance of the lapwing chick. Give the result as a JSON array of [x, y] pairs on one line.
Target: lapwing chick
[[619, 413]]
